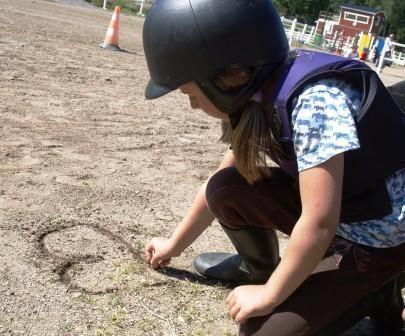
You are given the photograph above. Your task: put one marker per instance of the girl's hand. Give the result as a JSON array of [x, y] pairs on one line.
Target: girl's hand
[[249, 301], [159, 251]]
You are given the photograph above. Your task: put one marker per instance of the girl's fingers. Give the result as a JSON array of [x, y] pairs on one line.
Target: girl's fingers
[[234, 311], [154, 261], [230, 295], [149, 248], [148, 255], [231, 301], [164, 263], [240, 317]]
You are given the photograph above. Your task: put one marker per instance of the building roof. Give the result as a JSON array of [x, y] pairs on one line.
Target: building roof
[[365, 9]]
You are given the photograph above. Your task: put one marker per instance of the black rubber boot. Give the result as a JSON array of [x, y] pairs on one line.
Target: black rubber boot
[[258, 256]]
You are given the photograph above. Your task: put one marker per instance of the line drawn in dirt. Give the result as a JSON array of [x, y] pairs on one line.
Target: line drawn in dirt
[[86, 256]]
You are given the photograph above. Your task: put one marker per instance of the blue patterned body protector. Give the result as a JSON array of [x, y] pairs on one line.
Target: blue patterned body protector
[[380, 126]]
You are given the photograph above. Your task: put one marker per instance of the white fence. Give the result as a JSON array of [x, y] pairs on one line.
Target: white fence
[[397, 56], [300, 32], [141, 4], [305, 34]]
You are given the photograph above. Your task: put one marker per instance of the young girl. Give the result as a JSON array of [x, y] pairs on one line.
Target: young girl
[[338, 191]]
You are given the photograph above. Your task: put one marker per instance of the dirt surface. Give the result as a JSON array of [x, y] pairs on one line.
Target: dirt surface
[[89, 171]]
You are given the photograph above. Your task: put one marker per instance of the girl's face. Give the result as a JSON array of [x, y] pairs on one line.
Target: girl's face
[[198, 100]]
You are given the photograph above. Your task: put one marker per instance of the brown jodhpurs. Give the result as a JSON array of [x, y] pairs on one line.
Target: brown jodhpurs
[[346, 275]]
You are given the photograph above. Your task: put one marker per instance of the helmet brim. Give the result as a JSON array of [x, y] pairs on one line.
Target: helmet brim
[[154, 90]]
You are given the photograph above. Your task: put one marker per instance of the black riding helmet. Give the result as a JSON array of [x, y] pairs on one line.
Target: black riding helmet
[[191, 40]]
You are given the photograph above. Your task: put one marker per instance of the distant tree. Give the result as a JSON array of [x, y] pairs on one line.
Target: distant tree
[[290, 7], [395, 13], [304, 10], [314, 7]]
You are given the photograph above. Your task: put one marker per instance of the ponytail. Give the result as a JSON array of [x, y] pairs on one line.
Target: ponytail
[[251, 143], [252, 138]]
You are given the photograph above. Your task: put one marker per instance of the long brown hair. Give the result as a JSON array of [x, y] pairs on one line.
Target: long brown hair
[[252, 138]]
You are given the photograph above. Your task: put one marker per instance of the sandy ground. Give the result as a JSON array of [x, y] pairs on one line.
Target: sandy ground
[[89, 171]]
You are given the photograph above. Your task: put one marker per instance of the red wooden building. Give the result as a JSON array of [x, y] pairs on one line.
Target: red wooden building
[[353, 19]]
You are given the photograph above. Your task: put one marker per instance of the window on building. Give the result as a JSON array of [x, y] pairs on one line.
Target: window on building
[[356, 17]]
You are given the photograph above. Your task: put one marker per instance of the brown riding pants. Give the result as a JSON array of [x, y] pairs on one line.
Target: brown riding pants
[[348, 273]]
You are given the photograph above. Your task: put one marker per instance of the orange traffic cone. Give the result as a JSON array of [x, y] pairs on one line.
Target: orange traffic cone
[[111, 37]]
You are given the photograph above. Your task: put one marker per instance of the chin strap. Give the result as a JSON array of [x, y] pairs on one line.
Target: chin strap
[[235, 117]]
